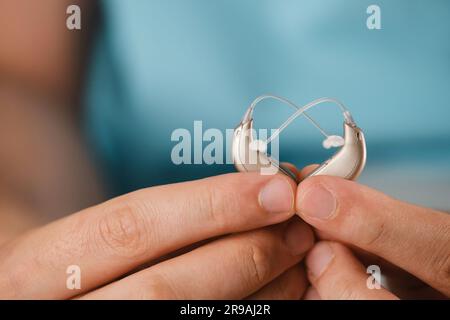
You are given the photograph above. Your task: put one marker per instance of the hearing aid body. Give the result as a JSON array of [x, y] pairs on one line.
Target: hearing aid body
[[348, 162]]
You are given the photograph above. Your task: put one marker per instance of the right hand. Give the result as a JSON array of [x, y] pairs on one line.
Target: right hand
[[230, 220]]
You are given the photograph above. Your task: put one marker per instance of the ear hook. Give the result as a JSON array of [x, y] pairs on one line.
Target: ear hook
[[249, 114], [330, 140], [347, 116]]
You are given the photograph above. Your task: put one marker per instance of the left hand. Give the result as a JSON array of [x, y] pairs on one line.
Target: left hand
[[411, 244]]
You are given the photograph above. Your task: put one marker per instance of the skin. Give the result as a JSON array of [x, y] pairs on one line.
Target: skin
[[211, 238], [254, 247], [411, 244], [46, 173]]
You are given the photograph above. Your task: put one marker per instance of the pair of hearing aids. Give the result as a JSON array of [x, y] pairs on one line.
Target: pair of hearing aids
[[250, 154]]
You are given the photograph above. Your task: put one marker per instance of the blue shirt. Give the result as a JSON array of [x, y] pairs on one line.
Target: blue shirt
[[160, 65]]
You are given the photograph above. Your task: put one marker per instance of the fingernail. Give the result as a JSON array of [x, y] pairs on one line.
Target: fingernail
[[317, 202], [298, 236], [277, 196], [319, 259]]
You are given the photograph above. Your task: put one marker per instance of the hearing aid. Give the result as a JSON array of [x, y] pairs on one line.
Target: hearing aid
[[250, 154]]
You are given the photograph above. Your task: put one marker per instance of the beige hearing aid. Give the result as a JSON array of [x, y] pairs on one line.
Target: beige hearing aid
[[250, 154]]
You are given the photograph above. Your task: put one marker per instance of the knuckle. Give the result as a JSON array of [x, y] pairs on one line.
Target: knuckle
[[257, 266], [122, 229], [375, 235], [215, 205]]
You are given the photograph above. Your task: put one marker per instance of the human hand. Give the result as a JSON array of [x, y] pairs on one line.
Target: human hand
[[246, 254], [411, 244]]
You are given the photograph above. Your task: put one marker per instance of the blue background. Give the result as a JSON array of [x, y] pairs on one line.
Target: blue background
[[159, 65]]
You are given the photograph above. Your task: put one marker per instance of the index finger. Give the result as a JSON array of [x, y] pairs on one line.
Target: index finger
[[112, 238]]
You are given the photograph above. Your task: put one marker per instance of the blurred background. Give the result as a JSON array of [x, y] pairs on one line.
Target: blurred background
[[87, 114]]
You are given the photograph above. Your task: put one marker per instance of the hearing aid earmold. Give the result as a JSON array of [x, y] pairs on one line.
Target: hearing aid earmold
[[251, 155]]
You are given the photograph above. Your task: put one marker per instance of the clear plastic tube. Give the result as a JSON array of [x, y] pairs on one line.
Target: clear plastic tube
[[299, 111], [289, 103]]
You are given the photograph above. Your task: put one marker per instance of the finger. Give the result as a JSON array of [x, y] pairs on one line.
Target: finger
[[289, 286], [311, 294], [401, 283], [291, 168], [300, 174], [368, 258], [307, 170], [110, 239], [413, 238], [336, 274], [232, 267]]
